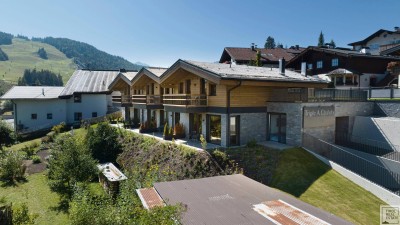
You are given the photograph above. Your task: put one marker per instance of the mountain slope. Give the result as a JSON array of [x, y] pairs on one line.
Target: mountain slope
[[87, 56], [22, 55]]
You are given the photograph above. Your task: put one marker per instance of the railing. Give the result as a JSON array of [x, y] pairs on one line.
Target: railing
[[384, 93], [144, 99], [386, 47], [367, 169], [185, 99], [317, 95]]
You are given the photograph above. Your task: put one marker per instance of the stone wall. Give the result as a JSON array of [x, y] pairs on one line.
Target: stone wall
[[252, 126], [390, 108]]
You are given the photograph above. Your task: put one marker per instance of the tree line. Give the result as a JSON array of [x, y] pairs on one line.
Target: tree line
[[6, 38], [86, 56], [3, 55], [40, 78], [270, 42]]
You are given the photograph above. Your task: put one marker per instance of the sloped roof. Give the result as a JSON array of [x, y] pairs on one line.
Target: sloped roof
[[157, 71], [395, 49], [244, 72], [340, 71], [372, 36], [153, 72], [89, 81], [247, 54], [33, 92], [127, 77]]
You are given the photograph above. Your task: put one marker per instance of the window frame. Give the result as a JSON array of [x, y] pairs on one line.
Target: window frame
[[77, 117], [33, 116], [320, 64], [213, 90], [335, 62], [49, 116]]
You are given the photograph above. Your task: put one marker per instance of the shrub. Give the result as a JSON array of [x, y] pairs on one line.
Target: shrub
[[11, 166], [251, 143], [59, 128], [21, 215], [179, 130], [7, 136], [36, 159]]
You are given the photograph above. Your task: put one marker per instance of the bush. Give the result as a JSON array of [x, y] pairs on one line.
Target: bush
[[21, 215], [7, 136], [252, 143], [11, 166], [36, 159], [59, 128]]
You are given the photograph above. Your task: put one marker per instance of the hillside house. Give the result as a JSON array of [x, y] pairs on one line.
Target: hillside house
[[346, 68], [269, 57], [378, 42], [85, 96]]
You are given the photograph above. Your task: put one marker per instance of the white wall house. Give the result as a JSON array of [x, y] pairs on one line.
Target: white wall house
[[378, 41], [85, 96]]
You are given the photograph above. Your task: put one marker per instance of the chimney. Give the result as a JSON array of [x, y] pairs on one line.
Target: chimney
[[252, 47], [303, 68], [282, 66]]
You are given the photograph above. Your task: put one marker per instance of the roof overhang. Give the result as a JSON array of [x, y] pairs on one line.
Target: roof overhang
[[201, 72], [120, 77], [144, 73]]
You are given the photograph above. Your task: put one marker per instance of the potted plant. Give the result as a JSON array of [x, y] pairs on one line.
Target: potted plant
[[168, 132], [179, 131]]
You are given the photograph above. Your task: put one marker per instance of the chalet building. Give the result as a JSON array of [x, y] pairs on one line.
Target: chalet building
[[378, 42], [269, 57], [347, 68], [86, 95], [225, 103]]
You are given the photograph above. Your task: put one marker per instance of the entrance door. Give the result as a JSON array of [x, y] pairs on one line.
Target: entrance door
[[341, 129], [214, 129], [162, 118], [195, 126], [277, 127]]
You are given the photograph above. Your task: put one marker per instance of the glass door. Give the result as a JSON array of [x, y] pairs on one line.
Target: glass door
[[214, 129], [234, 131], [277, 127], [195, 125]]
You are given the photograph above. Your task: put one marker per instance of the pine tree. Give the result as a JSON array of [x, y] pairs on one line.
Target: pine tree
[[321, 40], [269, 43], [332, 43]]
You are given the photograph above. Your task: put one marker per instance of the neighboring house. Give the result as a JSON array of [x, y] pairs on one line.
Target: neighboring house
[[225, 103], [269, 57], [36, 107], [378, 42], [347, 68], [86, 95]]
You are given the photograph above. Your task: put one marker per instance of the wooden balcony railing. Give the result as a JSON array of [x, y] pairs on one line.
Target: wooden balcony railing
[[144, 99], [185, 99]]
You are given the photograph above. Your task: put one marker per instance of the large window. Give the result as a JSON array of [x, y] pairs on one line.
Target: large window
[[213, 90], [335, 62], [188, 83], [202, 86], [180, 89], [277, 127], [319, 64], [78, 116], [234, 138]]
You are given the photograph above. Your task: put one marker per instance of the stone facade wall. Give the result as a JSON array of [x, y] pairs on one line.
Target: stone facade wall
[[294, 120], [252, 126], [391, 109]]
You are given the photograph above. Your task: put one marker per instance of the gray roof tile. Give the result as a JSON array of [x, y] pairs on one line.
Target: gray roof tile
[[33, 92]]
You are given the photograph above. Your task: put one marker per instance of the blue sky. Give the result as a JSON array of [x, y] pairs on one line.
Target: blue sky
[[158, 32]]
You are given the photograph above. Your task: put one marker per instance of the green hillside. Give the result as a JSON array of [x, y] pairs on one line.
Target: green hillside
[[22, 55]]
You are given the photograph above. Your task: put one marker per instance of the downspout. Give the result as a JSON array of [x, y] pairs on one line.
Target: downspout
[[15, 116], [228, 112]]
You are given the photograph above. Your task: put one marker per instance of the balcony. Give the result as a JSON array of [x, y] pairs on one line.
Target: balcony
[[147, 99], [185, 100], [318, 95]]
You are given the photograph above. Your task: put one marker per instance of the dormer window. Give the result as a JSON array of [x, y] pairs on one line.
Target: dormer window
[[77, 98]]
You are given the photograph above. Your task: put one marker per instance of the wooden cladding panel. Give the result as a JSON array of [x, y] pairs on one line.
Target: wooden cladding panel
[[249, 96], [220, 98]]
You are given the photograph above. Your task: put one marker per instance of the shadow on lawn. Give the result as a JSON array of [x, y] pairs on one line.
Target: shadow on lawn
[[13, 183], [297, 170], [292, 171], [62, 207]]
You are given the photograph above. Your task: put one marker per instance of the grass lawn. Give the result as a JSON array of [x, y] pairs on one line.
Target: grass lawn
[[302, 175], [22, 55], [38, 197], [25, 143]]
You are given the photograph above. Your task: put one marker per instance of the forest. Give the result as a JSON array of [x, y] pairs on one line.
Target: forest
[[6, 38], [40, 78], [86, 56]]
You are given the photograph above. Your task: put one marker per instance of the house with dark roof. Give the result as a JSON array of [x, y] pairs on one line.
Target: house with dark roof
[[378, 42], [86, 95], [269, 57], [346, 68]]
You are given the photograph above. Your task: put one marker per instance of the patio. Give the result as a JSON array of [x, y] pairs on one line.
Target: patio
[[191, 143]]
